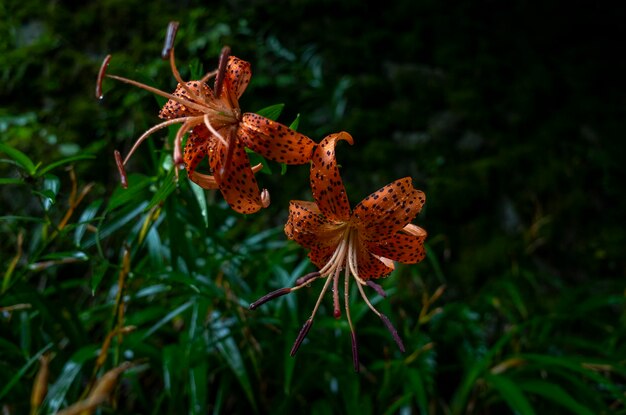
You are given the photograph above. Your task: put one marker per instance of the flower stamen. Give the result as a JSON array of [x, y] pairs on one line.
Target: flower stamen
[[346, 300], [214, 131], [152, 130]]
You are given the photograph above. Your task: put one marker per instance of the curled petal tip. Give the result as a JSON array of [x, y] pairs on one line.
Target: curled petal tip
[[345, 136]]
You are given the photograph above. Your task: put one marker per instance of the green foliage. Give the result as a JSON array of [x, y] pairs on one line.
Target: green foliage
[[513, 137]]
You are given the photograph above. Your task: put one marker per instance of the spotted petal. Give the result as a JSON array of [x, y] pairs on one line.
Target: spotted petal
[[196, 148], [237, 182], [237, 78], [174, 109], [310, 228], [369, 266], [386, 211], [408, 249], [274, 141], [326, 184]]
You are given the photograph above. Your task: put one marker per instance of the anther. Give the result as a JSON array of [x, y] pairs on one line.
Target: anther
[[303, 332], [306, 278], [376, 288], [270, 296], [101, 73], [221, 71], [393, 331], [120, 168], [168, 44]]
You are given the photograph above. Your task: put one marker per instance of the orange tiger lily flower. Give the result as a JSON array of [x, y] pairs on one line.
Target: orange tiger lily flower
[[362, 242], [220, 131]]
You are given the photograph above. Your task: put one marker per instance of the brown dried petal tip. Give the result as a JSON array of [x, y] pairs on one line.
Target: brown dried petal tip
[[168, 44], [120, 168], [393, 331], [267, 297], [303, 332]]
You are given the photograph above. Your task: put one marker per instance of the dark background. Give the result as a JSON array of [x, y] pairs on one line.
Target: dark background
[[509, 116]]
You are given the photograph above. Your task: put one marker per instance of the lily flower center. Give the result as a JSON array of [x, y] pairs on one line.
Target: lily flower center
[[344, 258]]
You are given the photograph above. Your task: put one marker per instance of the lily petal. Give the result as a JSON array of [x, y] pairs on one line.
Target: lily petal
[[408, 249], [237, 183], [369, 266], [237, 78], [174, 109], [196, 148], [326, 185], [308, 227], [389, 209], [274, 140]]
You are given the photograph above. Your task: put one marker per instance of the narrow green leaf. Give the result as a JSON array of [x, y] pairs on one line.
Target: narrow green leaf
[[136, 185], [167, 186], [198, 192], [198, 385], [256, 159], [99, 269], [11, 181], [272, 112], [295, 123], [289, 362], [459, 400], [19, 157], [511, 394], [64, 161], [419, 390], [7, 388], [58, 390], [555, 393], [230, 352], [170, 316], [78, 255], [113, 225], [9, 218], [396, 406], [88, 215], [51, 186]]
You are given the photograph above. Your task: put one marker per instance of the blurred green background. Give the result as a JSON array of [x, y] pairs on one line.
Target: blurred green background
[[508, 115]]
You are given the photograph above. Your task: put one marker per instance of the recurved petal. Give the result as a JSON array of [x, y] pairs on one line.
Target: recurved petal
[[310, 228], [401, 247], [326, 185], [196, 148], [237, 182], [174, 109], [274, 140], [386, 211], [237, 76], [369, 266]]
